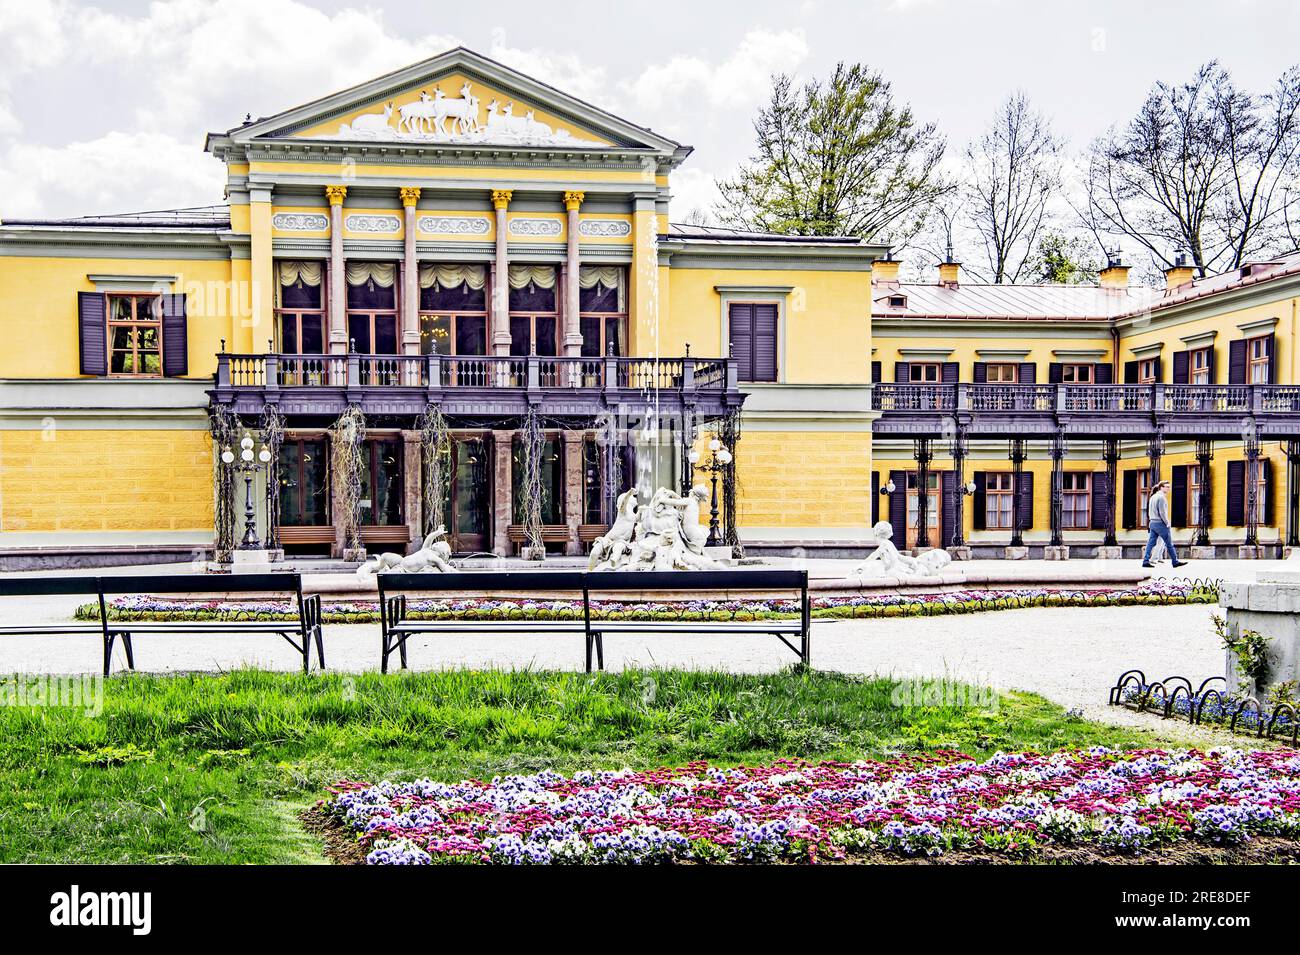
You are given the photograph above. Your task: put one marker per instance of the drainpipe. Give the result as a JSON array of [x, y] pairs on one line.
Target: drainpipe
[[1114, 353]]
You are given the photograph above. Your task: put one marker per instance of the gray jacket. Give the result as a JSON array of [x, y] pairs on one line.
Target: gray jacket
[[1158, 508]]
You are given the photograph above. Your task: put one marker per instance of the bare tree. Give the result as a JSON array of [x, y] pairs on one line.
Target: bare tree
[[1013, 177], [836, 158], [1204, 167]]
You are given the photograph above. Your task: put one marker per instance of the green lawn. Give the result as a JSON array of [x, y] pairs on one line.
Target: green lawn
[[216, 768]]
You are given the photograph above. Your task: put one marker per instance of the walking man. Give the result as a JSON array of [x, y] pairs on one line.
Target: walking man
[[1158, 525]]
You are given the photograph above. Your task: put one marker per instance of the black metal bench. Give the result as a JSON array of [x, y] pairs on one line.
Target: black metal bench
[[710, 582], [299, 633], [397, 626]]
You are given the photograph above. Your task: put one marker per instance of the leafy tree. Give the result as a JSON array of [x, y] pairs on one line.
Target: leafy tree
[[1061, 259], [1204, 167], [836, 157]]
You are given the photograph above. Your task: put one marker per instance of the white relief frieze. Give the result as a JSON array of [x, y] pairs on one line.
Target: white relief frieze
[[378, 225], [299, 222], [535, 228], [604, 228], [454, 225]]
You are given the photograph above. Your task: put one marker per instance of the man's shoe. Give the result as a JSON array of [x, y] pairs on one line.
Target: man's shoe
[[1179, 563], [1152, 566]]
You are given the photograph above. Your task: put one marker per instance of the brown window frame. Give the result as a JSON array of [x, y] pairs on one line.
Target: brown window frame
[[925, 367], [1147, 371], [1075, 368], [372, 444], [532, 318], [999, 485], [299, 441], [1069, 515], [1195, 485], [1199, 374], [1261, 490], [298, 314], [454, 316], [1256, 362], [995, 370], [134, 323], [1143, 490]]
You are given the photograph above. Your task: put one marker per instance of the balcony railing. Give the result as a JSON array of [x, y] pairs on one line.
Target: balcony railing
[[277, 371], [1084, 399]]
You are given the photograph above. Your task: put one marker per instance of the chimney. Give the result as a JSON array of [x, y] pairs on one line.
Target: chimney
[[885, 270], [1180, 273], [1115, 274], [949, 273]]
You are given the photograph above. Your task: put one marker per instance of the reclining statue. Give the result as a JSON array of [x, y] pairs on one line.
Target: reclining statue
[[432, 558], [886, 561], [664, 535]]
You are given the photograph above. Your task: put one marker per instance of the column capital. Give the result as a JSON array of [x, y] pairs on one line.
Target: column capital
[[410, 196], [572, 200], [501, 198], [336, 194]]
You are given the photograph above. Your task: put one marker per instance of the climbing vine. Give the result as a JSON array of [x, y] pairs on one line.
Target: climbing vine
[[729, 435], [347, 457], [225, 434], [533, 441], [272, 435], [1249, 650], [435, 448]]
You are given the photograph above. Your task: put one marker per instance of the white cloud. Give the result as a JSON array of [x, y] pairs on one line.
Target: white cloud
[[564, 71], [692, 188], [739, 82], [120, 172], [31, 38]]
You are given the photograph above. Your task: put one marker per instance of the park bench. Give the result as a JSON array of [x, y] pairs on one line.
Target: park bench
[[708, 584], [298, 632], [397, 626]]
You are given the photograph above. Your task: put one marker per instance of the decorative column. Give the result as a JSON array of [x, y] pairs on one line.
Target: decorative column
[[1204, 454], [338, 290], [1057, 550], [262, 279], [572, 267], [499, 319], [1155, 451], [1017, 480], [1293, 493], [502, 491], [573, 441], [1111, 456], [410, 275], [1250, 447], [921, 451], [957, 539], [412, 485]]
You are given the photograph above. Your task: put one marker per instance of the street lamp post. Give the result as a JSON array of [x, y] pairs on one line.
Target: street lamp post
[[249, 464], [719, 458]]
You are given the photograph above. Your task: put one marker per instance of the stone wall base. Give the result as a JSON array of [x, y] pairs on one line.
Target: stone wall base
[[1200, 552], [1251, 552], [1056, 552], [1113, 552], [959, 553], [1015, 553]]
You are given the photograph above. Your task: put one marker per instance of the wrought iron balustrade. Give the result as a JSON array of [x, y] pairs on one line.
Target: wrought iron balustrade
[[1084, 399]]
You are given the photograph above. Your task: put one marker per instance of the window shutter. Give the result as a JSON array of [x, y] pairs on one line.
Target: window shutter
[[765, 334], [875, 372], [1212, 367], [1054, 373], [1270, 349], [981, 503], [949, 372], [1130, 373], [902, 372], [1103, 374], [1130, 504], [1266, 511], [875, 497], [1028, 373], [742, 340], [175, 337], [898, 508], [1100, 491], [92, 312], [1237, 362], [947, 507], [1182, 368], [979, 372], [1159, 369], [1236, 493], [1178, 497], [1025, 500]]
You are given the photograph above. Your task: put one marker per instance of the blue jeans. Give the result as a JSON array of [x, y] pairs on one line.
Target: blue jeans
[[1159, 529]]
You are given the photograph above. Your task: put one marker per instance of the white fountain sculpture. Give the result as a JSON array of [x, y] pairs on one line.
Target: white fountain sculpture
[[432, 558], [664, 535], [886, 561]]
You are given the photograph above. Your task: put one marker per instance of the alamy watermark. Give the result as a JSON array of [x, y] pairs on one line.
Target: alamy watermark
[[977, 691], [81, 691]]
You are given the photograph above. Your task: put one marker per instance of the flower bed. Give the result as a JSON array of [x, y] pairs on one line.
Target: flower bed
[[1241, 714], [1107, 800], [1154, 592]]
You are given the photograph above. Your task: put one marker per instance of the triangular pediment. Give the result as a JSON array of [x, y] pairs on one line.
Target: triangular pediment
[[458, 98]]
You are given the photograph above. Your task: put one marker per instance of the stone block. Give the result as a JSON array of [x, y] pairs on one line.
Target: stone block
[[959, 553], [1015, 553], [1201, 552], [1113, 552], [1250, 552], [1056, 552]]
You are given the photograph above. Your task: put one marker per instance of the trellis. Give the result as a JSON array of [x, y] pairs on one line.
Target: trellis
[[225, 433], [272, 437], [729, 435], [533, 441], [347, 445], [435, 448]]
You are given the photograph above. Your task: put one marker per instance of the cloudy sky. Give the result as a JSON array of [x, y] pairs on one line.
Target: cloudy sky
[[103, 106]]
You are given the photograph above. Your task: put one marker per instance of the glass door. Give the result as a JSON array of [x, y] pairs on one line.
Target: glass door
[[467, 515], [931, 511]]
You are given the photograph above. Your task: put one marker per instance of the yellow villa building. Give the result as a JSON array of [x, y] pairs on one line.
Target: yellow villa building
[[453, 296]]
